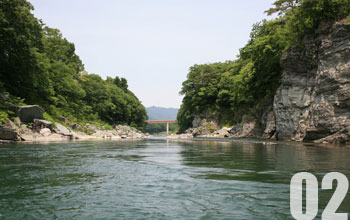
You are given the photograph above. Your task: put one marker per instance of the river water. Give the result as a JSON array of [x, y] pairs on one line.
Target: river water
[[160, 179]]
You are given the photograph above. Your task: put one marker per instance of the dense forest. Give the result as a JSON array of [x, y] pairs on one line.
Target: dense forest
[[243, 88], [40, 66]]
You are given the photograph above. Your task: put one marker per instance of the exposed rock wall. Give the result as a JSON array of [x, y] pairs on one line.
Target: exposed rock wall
[[247, 129], [313, 101]]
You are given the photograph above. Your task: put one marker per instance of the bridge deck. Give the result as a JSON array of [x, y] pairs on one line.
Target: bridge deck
[[160, 121]]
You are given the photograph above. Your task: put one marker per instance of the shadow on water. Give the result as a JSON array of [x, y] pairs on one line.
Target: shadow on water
[[267, 162], [259, 158]]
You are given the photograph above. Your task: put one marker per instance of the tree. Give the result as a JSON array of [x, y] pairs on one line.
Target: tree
[[20, 48], [40, 65], [282, 7]]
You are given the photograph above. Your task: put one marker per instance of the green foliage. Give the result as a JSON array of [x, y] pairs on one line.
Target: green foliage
[[4, 117], [41, 66], [304, 16], [232, 90], [49, 117], [282, 6], [229, 90], [114, 104], [21, 35], [6, 112]]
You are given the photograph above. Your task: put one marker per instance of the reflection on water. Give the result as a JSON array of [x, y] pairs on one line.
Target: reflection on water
[[160, 179], [266, 159]]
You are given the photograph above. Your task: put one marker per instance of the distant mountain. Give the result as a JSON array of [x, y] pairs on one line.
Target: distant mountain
[[160, 113]]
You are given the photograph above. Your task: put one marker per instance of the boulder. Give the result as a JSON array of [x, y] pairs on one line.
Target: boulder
[[28, 113], [270, 126], [40, 124], [201, 131], [78, 127], [24, 129], [223, 132], [197, 121], [60, 129], [62, 119], [92, 128], [205, 129], [247, 129], [137, 135], [11, 125], [342, 136], [7, 133], [45, 131]]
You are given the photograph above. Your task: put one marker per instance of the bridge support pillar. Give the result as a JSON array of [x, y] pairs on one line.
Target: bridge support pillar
[[167, 128]]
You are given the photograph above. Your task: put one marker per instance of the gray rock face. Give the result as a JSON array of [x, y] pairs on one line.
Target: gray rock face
[[205, 117], [45, 131], [91, 127], [8, 134], [205, 128], [28, 113], [62, 119], [60, 129], [223, 132], [24, 129], [246, 129], [342, 136], [78, 127], [40, 124], [269, 124], [11, 125], [313, 100]]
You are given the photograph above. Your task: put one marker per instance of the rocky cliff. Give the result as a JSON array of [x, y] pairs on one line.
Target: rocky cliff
[[313, 101]]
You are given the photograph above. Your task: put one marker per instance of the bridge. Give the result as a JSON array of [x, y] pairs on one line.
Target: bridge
[[162, 122]]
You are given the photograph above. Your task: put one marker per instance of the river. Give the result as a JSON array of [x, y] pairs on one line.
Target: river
[[160, 179]]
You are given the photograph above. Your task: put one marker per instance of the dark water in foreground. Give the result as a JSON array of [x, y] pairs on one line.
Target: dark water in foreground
[[159, 179]]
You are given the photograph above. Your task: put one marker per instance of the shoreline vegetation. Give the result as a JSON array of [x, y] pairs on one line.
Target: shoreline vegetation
[[40, 67], [31, 124]]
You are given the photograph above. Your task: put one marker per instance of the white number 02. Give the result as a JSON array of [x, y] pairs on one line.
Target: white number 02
[[311, 205]]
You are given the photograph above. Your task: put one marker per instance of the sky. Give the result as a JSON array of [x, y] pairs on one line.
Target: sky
[[152, 43]]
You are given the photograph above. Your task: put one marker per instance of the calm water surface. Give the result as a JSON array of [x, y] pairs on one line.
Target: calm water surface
[[159, 179]]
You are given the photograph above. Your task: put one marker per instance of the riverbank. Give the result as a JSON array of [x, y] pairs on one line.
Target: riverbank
[[32, 137], [81, 136], [29, 126], [211, 129]]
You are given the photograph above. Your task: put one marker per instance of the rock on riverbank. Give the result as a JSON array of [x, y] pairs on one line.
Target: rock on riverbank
[[43, 130]]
